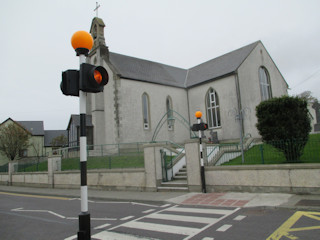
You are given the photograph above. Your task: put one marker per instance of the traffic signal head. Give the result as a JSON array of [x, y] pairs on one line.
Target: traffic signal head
[[70, 83], [92, 78], [199, 127], [203, 126]]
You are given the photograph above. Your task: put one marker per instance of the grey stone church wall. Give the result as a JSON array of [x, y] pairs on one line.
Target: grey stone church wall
[[131, 118]]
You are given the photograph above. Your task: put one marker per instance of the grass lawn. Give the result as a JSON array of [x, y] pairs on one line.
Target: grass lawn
[[33, 167], [109, 162], [271, 155], [106, 162]]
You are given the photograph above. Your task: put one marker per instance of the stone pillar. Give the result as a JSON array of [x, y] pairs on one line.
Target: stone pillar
[[11, 170], [193, 164], [54, 165], [152, 166]]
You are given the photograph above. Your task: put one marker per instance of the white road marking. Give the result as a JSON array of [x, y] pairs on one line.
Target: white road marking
[[224, 228], [166, 205], [71, 238], [104, 219], [102, 226], [105, 235], [149, 210], [210, 225], [140, 224], [183, 218], [43, 211], [143, 204], [161, 228], [126, 218], [202, 210], [56, 214], [239, 218]]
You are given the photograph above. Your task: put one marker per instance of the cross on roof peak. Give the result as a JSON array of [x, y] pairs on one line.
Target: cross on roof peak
[[97, 7]]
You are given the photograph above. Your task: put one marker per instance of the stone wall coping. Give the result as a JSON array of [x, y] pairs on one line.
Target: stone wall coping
[[29, 173], [118, 170], [265, 167], [147, 145]]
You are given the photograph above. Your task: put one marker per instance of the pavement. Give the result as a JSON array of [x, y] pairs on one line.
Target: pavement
[[221, 199]]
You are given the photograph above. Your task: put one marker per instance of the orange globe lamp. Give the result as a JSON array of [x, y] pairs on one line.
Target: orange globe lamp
[[82, 42], [198, 114]]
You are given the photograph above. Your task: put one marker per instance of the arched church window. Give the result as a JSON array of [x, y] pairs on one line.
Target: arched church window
[[170, 119], [145, 111], [213, 109], [95, 32], [265, 85]]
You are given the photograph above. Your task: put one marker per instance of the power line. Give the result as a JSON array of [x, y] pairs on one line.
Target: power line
[[308, 78]]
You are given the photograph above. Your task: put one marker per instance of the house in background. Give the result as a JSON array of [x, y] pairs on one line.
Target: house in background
[[74, 131], [39, 142], [50, 135]]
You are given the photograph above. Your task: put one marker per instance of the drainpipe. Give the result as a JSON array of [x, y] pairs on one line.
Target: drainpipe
[[240, 114], [188, 104]]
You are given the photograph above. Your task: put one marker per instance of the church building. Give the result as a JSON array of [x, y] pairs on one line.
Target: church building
[[147, 101]]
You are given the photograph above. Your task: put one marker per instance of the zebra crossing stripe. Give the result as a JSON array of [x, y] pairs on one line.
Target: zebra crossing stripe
[[102, 226], [182, 218], [224, 228], [118, 236], [201, 210], [161, 228], [142, 223]]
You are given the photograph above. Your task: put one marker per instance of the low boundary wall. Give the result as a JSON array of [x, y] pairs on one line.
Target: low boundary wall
[[284, 178], [114, 179]]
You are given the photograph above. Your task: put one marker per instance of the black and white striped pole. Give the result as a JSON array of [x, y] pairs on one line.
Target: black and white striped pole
[[198, 115], [82, 42], [78, 83]]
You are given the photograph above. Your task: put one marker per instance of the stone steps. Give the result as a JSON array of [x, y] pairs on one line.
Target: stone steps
[[178, 184]]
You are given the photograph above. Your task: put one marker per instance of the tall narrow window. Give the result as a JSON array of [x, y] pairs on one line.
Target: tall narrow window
[[170, 119], [213, 109], [145, 111], [265, 85]]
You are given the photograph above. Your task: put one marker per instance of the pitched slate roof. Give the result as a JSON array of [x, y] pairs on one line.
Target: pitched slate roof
[[34, 127], [148, 71], [49, 135], [220, 66], [75, 119]]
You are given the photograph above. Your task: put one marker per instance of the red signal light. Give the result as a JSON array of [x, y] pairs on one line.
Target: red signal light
[[97, 76], [92, 78]]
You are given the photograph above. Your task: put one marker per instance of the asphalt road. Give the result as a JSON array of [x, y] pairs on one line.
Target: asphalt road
[[41, 217]]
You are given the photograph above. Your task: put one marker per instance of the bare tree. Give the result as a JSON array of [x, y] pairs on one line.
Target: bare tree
[[59, 141], [307, 95], [13, 139]]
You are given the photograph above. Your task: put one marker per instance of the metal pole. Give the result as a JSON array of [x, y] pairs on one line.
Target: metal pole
[[203, 180], [241, 135], [84, 217]]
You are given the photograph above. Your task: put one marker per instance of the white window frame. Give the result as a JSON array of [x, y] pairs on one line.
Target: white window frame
[[265, 85], [145, 111], [213, 109], [169, 114]]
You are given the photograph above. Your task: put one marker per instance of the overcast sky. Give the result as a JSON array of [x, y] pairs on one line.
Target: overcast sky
[[35, 36]]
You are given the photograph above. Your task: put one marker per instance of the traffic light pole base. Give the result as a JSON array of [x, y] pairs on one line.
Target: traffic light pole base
[[84, 226], [203, 180]]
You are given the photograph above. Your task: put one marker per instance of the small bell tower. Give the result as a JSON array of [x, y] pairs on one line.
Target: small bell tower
[[97, 32]]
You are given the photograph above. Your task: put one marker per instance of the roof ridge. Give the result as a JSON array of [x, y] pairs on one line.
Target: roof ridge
[[146, 60], [223, 55]]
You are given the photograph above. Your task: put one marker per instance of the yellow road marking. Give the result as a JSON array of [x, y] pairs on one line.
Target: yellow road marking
[[33, 196], [286, 229]]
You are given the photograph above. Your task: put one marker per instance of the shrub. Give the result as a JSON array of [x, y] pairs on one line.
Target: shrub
[[284, 122]]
